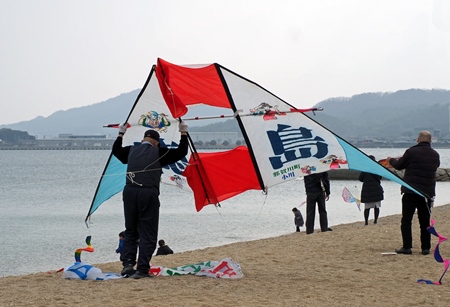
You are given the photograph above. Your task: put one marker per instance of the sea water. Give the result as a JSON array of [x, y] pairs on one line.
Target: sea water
[[45, 196]]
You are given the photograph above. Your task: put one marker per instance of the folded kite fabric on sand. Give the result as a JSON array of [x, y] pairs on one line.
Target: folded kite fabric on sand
[[225, 268]]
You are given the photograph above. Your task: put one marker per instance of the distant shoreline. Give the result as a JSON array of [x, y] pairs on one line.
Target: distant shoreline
[[210, 147], [54, 148], [91, 147]]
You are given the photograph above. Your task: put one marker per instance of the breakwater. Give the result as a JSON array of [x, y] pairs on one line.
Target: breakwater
[[442, 174]]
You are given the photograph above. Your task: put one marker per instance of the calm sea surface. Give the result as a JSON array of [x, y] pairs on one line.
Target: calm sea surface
[[45, 196]]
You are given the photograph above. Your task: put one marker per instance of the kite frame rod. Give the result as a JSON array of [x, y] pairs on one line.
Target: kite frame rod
[[230, 116]]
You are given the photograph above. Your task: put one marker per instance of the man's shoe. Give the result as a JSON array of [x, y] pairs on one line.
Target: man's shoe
[[127, 270], [425, 251], [406, 251], [139, 275]]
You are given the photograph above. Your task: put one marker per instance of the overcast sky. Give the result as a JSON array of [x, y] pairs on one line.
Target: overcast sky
[[60, 54]]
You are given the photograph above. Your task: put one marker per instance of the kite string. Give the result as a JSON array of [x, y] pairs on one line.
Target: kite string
[[89, 177], [217, 206], [266, 193], [146, 169], [430, 204], [172, 94], [46, 182], [132, 175]]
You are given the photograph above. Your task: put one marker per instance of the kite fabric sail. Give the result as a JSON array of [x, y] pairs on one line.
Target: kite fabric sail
[[281, 142], [349, 198]]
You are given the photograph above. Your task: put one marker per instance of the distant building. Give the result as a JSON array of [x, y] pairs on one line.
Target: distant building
[[73, 141], [81, 136], [67, 141], [219, 137]]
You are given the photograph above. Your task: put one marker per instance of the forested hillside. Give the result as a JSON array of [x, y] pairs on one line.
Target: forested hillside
[[387, 116]]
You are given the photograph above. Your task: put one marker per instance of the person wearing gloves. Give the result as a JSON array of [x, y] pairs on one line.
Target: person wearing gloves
[[141, 195]]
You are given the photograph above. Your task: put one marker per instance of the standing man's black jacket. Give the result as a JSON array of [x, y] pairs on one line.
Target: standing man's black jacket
[[420, 162]]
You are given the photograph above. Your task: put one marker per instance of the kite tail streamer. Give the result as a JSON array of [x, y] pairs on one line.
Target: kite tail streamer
[[437, 256], [89, 249]]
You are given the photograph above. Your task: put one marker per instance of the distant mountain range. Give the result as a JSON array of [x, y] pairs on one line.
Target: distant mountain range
[[83, 120], [368, 115], [387, 115]]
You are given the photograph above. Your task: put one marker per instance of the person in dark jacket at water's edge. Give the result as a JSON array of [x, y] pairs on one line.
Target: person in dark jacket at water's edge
[[371, 194]]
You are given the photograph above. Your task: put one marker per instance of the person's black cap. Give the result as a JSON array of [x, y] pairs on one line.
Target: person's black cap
[[151, 134]]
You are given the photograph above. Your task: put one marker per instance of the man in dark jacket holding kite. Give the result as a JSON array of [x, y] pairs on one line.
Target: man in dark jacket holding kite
[[420, 163], [141, 195]]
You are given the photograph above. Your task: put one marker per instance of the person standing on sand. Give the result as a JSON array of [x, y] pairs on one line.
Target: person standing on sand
[[120, 247], [298, 219], [371, 194], [420, 163], [141, 195], [317, 187]]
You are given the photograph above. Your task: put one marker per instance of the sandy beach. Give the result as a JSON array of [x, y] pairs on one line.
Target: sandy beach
[[344, 267]]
